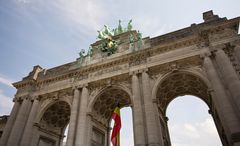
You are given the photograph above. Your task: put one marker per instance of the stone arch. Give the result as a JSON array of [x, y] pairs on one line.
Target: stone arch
[[193, 72], [180, 83], [101, 107], [107, 99], [122, 87], [46, 103], [56, 115], [52, 121]]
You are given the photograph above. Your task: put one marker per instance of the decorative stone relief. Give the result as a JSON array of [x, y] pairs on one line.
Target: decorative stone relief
[[107, 101], [180, 84], [191, 62], [108, 70], [139, 59], [232, 57], [56, 117]]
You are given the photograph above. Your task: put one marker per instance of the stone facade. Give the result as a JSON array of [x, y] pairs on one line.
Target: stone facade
[[201, 60]]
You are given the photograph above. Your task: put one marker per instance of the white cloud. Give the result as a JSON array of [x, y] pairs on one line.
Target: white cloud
[[6, 81], [23, 1], [197, 134], [150, 26], [5, 104], [87, 15], [191, 131], [208, 126]]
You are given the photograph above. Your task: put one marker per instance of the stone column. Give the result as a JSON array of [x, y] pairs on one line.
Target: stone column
[[8, 128], [230, 77], [138, 123], [237, 52], [27, 135], [73, 118], [82, 118], [227, 115], [89, 130], [18, 128], [152, 130]]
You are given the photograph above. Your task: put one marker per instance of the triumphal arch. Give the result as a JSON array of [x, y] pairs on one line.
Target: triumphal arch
[[142, 73]]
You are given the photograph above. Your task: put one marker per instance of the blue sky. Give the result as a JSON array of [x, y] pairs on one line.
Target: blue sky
[[51, 33]]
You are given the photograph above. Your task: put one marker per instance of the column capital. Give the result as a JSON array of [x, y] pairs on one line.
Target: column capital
[[74, 87], [217, 47], [38, 97], [84, 85], [80, 86], [144, 70], [23, 98], [135, 72], [219, 50], [205, 54]]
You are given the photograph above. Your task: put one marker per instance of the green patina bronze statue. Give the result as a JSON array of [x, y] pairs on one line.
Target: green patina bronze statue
[[108, 45]]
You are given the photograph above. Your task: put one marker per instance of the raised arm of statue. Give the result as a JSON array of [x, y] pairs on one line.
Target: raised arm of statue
[[107, 30], [129, 27], [100, 35], [140, 42], [139, 35], [120, 29], [90, 51]]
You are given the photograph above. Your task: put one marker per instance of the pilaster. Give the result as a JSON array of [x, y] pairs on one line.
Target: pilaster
[[154, 139], [237, 52], [18, 127], [227, 115], [230, 77], [73, 118], [139, 133], [27, 134], [82, 118], [9, 126]]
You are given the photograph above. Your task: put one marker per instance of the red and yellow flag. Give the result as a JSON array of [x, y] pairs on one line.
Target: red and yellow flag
[[115, 138]]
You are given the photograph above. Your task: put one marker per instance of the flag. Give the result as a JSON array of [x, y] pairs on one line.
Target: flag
[[115, 138]]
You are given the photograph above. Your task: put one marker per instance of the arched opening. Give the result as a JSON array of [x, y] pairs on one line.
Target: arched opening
[[126, 134], [180, 84], [53, 124], [190, 124], [102, 109]]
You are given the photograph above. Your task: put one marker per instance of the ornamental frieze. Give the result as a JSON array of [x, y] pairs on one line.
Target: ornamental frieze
[[108, 70]]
